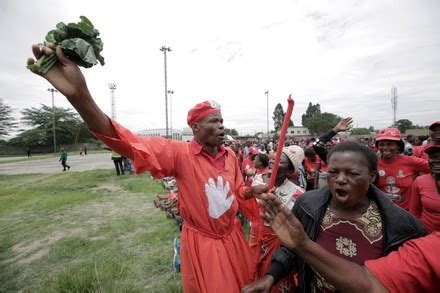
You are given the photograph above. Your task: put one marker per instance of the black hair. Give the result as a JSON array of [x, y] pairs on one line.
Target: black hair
[[264, 159], [309, 152], [355, 147]]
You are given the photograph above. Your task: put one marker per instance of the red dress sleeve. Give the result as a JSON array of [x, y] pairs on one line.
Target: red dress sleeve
[[415, 267], [153, 154]]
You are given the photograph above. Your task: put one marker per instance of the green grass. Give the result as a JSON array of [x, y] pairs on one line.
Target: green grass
[[84, 232]]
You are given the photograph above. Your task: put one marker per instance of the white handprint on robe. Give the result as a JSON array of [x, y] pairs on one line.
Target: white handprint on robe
[[218, 204]]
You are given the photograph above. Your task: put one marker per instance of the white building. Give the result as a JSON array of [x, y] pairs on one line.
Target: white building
[[185, 134], [297, 131]]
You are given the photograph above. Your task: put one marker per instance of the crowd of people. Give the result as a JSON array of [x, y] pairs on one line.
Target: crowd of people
[[342, 215]]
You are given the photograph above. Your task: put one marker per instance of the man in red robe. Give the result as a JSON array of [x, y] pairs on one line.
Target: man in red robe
[[214, 254]]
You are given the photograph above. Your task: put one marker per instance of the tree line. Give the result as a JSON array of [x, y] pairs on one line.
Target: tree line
[[38, 126], [70, 129]]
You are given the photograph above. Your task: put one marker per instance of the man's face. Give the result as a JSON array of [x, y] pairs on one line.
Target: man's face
[[434, 133], [434, 162], [210, 131]]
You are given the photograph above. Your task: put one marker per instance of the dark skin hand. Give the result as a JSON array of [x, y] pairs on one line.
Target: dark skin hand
[[67, 78]]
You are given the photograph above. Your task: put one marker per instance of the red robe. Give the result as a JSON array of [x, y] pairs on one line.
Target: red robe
[[415, 267], [214, 253]]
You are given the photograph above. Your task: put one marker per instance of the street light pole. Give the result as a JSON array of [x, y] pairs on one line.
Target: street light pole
[[165, 50], [52, 90], [112, 87], [171, 92], [267, 96]]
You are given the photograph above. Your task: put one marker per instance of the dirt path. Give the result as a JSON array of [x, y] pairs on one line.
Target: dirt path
[[51, 165]]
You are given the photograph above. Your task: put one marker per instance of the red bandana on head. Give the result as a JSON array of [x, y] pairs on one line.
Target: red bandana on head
[[201, 110]]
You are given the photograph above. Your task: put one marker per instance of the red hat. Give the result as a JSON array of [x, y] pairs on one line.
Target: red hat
[[390, 134], [434, 124], [432, 148], [201, 110], [253, 150]]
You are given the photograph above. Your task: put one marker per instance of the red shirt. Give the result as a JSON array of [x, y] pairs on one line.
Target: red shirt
[[425, 202], [211, 189], [397, 175], [415, 267], [419, 151]]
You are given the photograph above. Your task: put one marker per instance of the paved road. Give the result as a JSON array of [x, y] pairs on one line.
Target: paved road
[[51, 165]]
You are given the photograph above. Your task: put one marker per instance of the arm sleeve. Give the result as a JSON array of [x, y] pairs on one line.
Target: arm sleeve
[[319, 148], [422, 165], [153, 154], [283, 262], [415, 205], [410, 269]]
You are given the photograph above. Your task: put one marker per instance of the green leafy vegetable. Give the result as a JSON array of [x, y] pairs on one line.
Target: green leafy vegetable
[[79, 41]]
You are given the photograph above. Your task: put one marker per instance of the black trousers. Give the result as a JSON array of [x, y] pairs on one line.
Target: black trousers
[[118, 166]]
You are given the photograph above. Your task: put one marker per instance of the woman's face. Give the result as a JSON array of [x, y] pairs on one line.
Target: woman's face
[[348, 179], [257, 163], [434, 162], [388, 149]]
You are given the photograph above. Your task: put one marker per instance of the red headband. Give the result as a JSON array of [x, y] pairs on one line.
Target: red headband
[[201, 110]]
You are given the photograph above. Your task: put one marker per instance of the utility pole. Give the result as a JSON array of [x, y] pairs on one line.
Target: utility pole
[[394, 102], [112, 87], [52, 90], [165, 50], [267, 96], [171, 92]]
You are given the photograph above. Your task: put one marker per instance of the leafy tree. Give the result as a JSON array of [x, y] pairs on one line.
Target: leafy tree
[[231, 131], [68, 126], [404, 124], [7, 122], [311, 111], [278, 117], [320, 123], [360, 131], [371, 128]]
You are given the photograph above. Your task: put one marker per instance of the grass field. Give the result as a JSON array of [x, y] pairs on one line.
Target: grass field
[[84, 232]]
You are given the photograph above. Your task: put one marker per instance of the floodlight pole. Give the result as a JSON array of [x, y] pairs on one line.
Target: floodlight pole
[[267, 96], [165, 50], [171, 92], [52, 90], [112, 87]]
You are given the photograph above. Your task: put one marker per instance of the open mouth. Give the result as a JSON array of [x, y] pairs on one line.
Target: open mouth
[[341, 193]]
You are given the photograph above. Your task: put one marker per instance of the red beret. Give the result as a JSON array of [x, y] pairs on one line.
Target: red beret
[[201, 110]]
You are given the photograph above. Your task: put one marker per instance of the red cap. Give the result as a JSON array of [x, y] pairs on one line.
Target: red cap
[[388, 134], [201, 110], [432, 148], [434, 124], [253, 150]]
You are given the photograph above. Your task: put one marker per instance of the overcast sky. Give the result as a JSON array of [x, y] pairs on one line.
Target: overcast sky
[[345, 55]]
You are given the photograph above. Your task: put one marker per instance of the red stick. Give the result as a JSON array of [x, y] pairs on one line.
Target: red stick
[[280, 146]]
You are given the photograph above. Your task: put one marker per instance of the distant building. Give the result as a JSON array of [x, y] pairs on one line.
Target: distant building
[[185, 134], [297, 132]]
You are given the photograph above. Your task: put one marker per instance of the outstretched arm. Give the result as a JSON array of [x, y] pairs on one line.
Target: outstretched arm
[[344, 275], [319, 148], [67, 78]]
